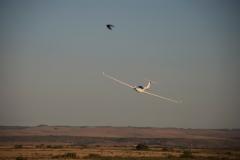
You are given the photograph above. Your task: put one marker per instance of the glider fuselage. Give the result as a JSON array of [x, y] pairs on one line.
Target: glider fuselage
[[139, 89]]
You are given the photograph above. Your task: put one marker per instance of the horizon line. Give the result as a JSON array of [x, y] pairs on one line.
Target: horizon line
[[108, 126]]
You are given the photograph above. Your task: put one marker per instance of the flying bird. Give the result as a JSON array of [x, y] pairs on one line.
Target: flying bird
[[141, 88], [109, 26]]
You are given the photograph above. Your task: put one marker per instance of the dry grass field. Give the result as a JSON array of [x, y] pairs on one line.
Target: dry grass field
[[112, 153], [117, 143]]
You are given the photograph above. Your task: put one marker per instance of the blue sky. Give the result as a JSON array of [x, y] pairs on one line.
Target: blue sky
[[54, 52]]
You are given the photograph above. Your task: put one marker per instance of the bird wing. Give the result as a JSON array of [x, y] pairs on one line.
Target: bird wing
[[121, 82], [165, 98], [110, 26]]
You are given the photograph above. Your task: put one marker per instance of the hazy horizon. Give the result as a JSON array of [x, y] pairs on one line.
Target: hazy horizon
[[54, 52], [102, 126]]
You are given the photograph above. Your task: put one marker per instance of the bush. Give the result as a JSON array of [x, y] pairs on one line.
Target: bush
[[141, 147], [170, 156], [40, 146], [186, 154], [93, 156], [84, 146], [49, 146], [55, 146], [71, 155], [21, 158], [228, 153], [167, 149], [17, 146]]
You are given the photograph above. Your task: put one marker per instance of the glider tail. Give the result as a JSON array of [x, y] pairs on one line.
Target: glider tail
[[148, 85]]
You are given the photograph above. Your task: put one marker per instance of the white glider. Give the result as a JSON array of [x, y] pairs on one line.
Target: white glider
[[141, 89]]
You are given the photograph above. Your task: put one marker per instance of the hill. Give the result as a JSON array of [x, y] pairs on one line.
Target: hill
[[121, 136]]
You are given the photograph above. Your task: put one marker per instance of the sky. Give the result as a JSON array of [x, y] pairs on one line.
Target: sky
[[53, 53]]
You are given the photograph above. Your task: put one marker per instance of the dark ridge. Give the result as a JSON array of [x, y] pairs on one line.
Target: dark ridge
[[95, 141], [45, 125], [13, 127]]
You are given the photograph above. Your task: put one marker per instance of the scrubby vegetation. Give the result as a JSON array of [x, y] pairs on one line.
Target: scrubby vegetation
[[142, 147], [115, 153], [93, 156], [21, 158], [141, 158], [186, 154], [70, 155], [167, 149], [122, 158], [55, 146], [40, 146], [17, 146]]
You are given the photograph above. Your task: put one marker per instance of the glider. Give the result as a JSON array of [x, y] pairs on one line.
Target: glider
[[141, 89], [109, 26]]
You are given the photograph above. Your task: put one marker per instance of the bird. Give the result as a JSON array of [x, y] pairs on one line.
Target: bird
[[109, 26]]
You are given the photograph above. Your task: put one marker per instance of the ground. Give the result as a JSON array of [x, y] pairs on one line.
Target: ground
[[117, 143], [51, 152]]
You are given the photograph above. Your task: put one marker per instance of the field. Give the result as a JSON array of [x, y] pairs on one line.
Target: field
[[112, 153], [117, 143]]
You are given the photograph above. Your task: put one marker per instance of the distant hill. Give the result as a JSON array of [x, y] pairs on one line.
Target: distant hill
[[122, 135], [127, 132]]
